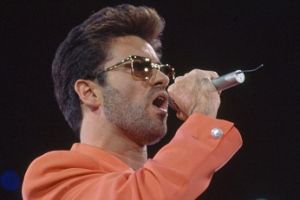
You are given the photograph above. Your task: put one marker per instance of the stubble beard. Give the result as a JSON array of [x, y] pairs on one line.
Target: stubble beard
[[132, 118]]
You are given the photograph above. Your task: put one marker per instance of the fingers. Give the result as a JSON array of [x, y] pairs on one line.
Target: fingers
[[181, 116], [194, 92], [214, 74], [204, 73]]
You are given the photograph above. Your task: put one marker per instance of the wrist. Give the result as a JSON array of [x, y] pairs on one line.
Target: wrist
[[204, 111]]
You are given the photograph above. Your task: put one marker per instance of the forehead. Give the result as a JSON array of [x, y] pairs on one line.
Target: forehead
[[122, 47]]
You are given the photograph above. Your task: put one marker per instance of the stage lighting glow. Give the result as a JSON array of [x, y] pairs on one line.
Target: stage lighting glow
[[9, 180]]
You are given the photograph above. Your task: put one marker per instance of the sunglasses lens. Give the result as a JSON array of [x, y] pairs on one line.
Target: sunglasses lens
[[168, 70], [142, 68]]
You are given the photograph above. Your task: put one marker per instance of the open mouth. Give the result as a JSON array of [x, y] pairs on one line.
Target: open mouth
[[161, 102]]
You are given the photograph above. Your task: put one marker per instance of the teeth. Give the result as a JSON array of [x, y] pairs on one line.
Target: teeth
[[161, 98], [163, 109]]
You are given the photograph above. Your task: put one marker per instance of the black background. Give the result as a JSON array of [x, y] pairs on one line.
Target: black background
[[208, 34]]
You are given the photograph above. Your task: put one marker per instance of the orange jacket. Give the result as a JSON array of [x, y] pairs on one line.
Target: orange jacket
[[181, 170]]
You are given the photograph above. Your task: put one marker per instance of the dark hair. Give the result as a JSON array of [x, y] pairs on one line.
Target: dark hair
[[85, 49]]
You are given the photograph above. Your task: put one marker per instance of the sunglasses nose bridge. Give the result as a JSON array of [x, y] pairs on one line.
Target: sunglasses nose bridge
[[158, 68], [155, 66]]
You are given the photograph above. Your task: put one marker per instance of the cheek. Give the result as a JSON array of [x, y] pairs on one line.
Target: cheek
[[133, 92], [130, 89]]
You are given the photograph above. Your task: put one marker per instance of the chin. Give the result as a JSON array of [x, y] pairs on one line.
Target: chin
[[155, 138]]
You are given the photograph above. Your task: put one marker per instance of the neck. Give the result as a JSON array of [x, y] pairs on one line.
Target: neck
[[135, 158], [110, 138]]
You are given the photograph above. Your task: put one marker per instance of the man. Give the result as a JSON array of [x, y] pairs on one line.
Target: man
[[111, 88]]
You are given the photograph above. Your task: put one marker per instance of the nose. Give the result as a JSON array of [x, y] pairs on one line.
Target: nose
[[159, 78]]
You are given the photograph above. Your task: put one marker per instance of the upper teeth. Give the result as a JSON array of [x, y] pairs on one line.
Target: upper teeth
[[161, 98]]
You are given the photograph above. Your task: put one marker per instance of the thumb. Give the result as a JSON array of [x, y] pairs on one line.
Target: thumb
[[182, 116]]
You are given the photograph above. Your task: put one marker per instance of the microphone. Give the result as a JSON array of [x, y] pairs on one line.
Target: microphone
[[224, 82], [229, 80]]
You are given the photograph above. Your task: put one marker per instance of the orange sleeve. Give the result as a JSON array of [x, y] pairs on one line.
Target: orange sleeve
[[182, 169]]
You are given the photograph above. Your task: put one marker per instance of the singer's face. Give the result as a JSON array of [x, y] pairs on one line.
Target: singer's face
[[137, 107]]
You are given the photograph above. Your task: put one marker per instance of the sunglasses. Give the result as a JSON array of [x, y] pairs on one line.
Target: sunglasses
[[142, 67]]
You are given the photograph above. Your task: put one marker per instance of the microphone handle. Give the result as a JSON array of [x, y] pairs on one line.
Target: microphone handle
[[229, 80]]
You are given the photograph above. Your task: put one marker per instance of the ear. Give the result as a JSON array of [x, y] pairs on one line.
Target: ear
[[89, 93]]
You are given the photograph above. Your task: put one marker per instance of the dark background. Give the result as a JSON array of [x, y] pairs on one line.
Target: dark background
[[216, 35]]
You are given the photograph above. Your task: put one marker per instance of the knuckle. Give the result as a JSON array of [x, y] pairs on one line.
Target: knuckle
[[170, 88], [214, 74], [178, 78], [196, 71]]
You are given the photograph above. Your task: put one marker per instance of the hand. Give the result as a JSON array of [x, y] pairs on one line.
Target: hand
[[194, 93]]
